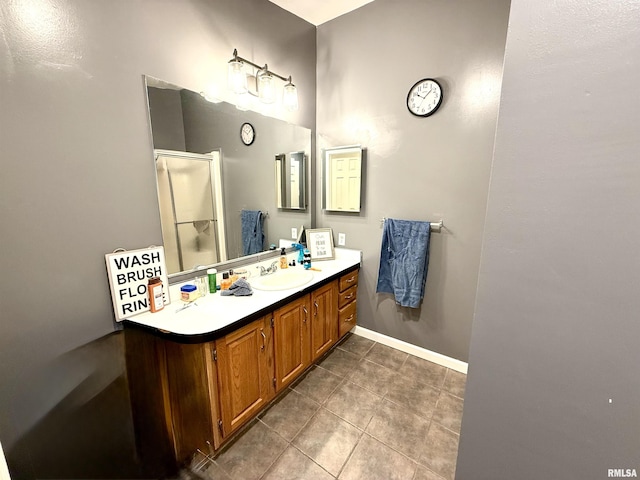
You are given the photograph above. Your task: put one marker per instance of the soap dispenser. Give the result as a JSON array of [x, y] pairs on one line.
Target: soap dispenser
[[283, 259]]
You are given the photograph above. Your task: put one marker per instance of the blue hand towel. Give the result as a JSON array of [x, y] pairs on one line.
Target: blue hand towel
[[252, 232], [404, 260]]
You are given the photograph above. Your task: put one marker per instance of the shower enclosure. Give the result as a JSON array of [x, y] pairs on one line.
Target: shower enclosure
[[191, 211]]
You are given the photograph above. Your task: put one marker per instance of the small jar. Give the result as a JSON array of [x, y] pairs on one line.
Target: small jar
[[188, 292]]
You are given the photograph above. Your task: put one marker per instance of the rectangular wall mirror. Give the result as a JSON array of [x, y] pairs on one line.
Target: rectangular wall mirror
[[291, 176], [342, 178], [207, 175]]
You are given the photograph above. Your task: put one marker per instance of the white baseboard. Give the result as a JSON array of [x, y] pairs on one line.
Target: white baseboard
[[452, 363]]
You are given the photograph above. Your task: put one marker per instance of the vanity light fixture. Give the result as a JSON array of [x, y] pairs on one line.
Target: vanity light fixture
[[261, 85]]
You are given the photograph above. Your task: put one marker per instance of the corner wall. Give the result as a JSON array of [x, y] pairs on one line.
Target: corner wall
[[416, 168], [553, 384]]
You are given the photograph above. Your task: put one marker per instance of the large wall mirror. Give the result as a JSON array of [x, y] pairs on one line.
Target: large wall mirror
[[207, 175]]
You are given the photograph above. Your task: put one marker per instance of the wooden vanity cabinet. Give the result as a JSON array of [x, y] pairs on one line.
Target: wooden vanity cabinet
[[347, 306], [245, 373], [188, 396], [292, 340], [324, 327]]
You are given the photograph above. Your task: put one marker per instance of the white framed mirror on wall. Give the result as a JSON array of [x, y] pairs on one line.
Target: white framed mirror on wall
[[342, 178], [291, 178]]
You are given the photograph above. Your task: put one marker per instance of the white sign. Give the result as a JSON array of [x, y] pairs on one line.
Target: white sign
[[129, 274]]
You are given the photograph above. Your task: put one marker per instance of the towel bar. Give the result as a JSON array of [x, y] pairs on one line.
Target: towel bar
[[265, 213], [435, 226]]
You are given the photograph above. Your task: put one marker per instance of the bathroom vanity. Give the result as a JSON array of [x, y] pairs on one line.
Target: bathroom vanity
[[198, 375]]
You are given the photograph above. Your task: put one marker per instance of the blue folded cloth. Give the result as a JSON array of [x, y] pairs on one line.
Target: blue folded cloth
[[404, 260], [252, 231]]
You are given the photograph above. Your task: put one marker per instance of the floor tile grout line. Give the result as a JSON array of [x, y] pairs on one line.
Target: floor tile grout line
[[362, 433], [298, 449], [391, 448]]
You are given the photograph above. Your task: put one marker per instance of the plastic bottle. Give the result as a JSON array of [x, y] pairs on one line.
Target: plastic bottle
[[300, 248], [211, 275], [226, 282], [156, 295], [233, 277], [283, 259], [306, 262]]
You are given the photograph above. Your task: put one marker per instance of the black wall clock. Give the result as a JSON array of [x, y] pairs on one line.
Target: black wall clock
[[425, 97], [247, 133]]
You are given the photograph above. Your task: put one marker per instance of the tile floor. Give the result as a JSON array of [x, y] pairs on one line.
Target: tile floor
[[365, 411]]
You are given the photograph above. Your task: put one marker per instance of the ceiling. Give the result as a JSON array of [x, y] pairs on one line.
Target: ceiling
[[319, 11]]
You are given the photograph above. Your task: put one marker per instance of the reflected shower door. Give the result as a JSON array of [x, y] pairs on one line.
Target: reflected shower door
[[187, 196]]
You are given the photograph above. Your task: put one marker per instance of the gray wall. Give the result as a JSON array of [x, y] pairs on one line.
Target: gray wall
[[556, 327], [78, 181], [416, 168]]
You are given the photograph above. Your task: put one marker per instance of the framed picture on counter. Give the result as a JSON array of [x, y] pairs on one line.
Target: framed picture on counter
[[320, 244]]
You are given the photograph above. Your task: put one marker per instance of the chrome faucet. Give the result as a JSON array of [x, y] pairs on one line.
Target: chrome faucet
[[268, 271]]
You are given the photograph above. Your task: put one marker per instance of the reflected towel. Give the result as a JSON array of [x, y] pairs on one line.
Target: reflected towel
[[240, 288], [202, 226], [252, 232], [404, 261]]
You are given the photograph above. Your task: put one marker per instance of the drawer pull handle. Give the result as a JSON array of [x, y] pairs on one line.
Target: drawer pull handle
[[316, 305], [349, 280], [349, 318], [348, 296], [305, 314], [264, 339]]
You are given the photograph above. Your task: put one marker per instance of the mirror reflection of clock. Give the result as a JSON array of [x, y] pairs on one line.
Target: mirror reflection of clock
[[425, 97], [247, 133]]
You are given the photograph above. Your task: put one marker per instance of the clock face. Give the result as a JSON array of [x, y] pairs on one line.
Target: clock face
[[424, 97], [247, 133]]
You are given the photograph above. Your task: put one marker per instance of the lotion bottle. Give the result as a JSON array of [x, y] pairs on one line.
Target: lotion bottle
[[156, 297], [283, 259]]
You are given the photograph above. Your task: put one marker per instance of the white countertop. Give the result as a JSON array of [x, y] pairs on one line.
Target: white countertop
[[215, 312]]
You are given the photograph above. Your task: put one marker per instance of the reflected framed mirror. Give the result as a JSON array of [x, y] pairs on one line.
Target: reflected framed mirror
[[291, 179], [230, 176], [342, 178]]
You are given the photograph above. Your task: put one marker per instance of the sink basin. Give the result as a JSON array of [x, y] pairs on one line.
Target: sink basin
[[282, 279]]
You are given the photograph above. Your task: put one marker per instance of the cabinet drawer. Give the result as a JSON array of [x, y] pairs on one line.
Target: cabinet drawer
[[348, 280], [347, 318], [347, 296]]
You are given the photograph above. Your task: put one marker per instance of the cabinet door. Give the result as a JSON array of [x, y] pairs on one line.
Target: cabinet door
[[292, 341], [245, 379], [324, 324]]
